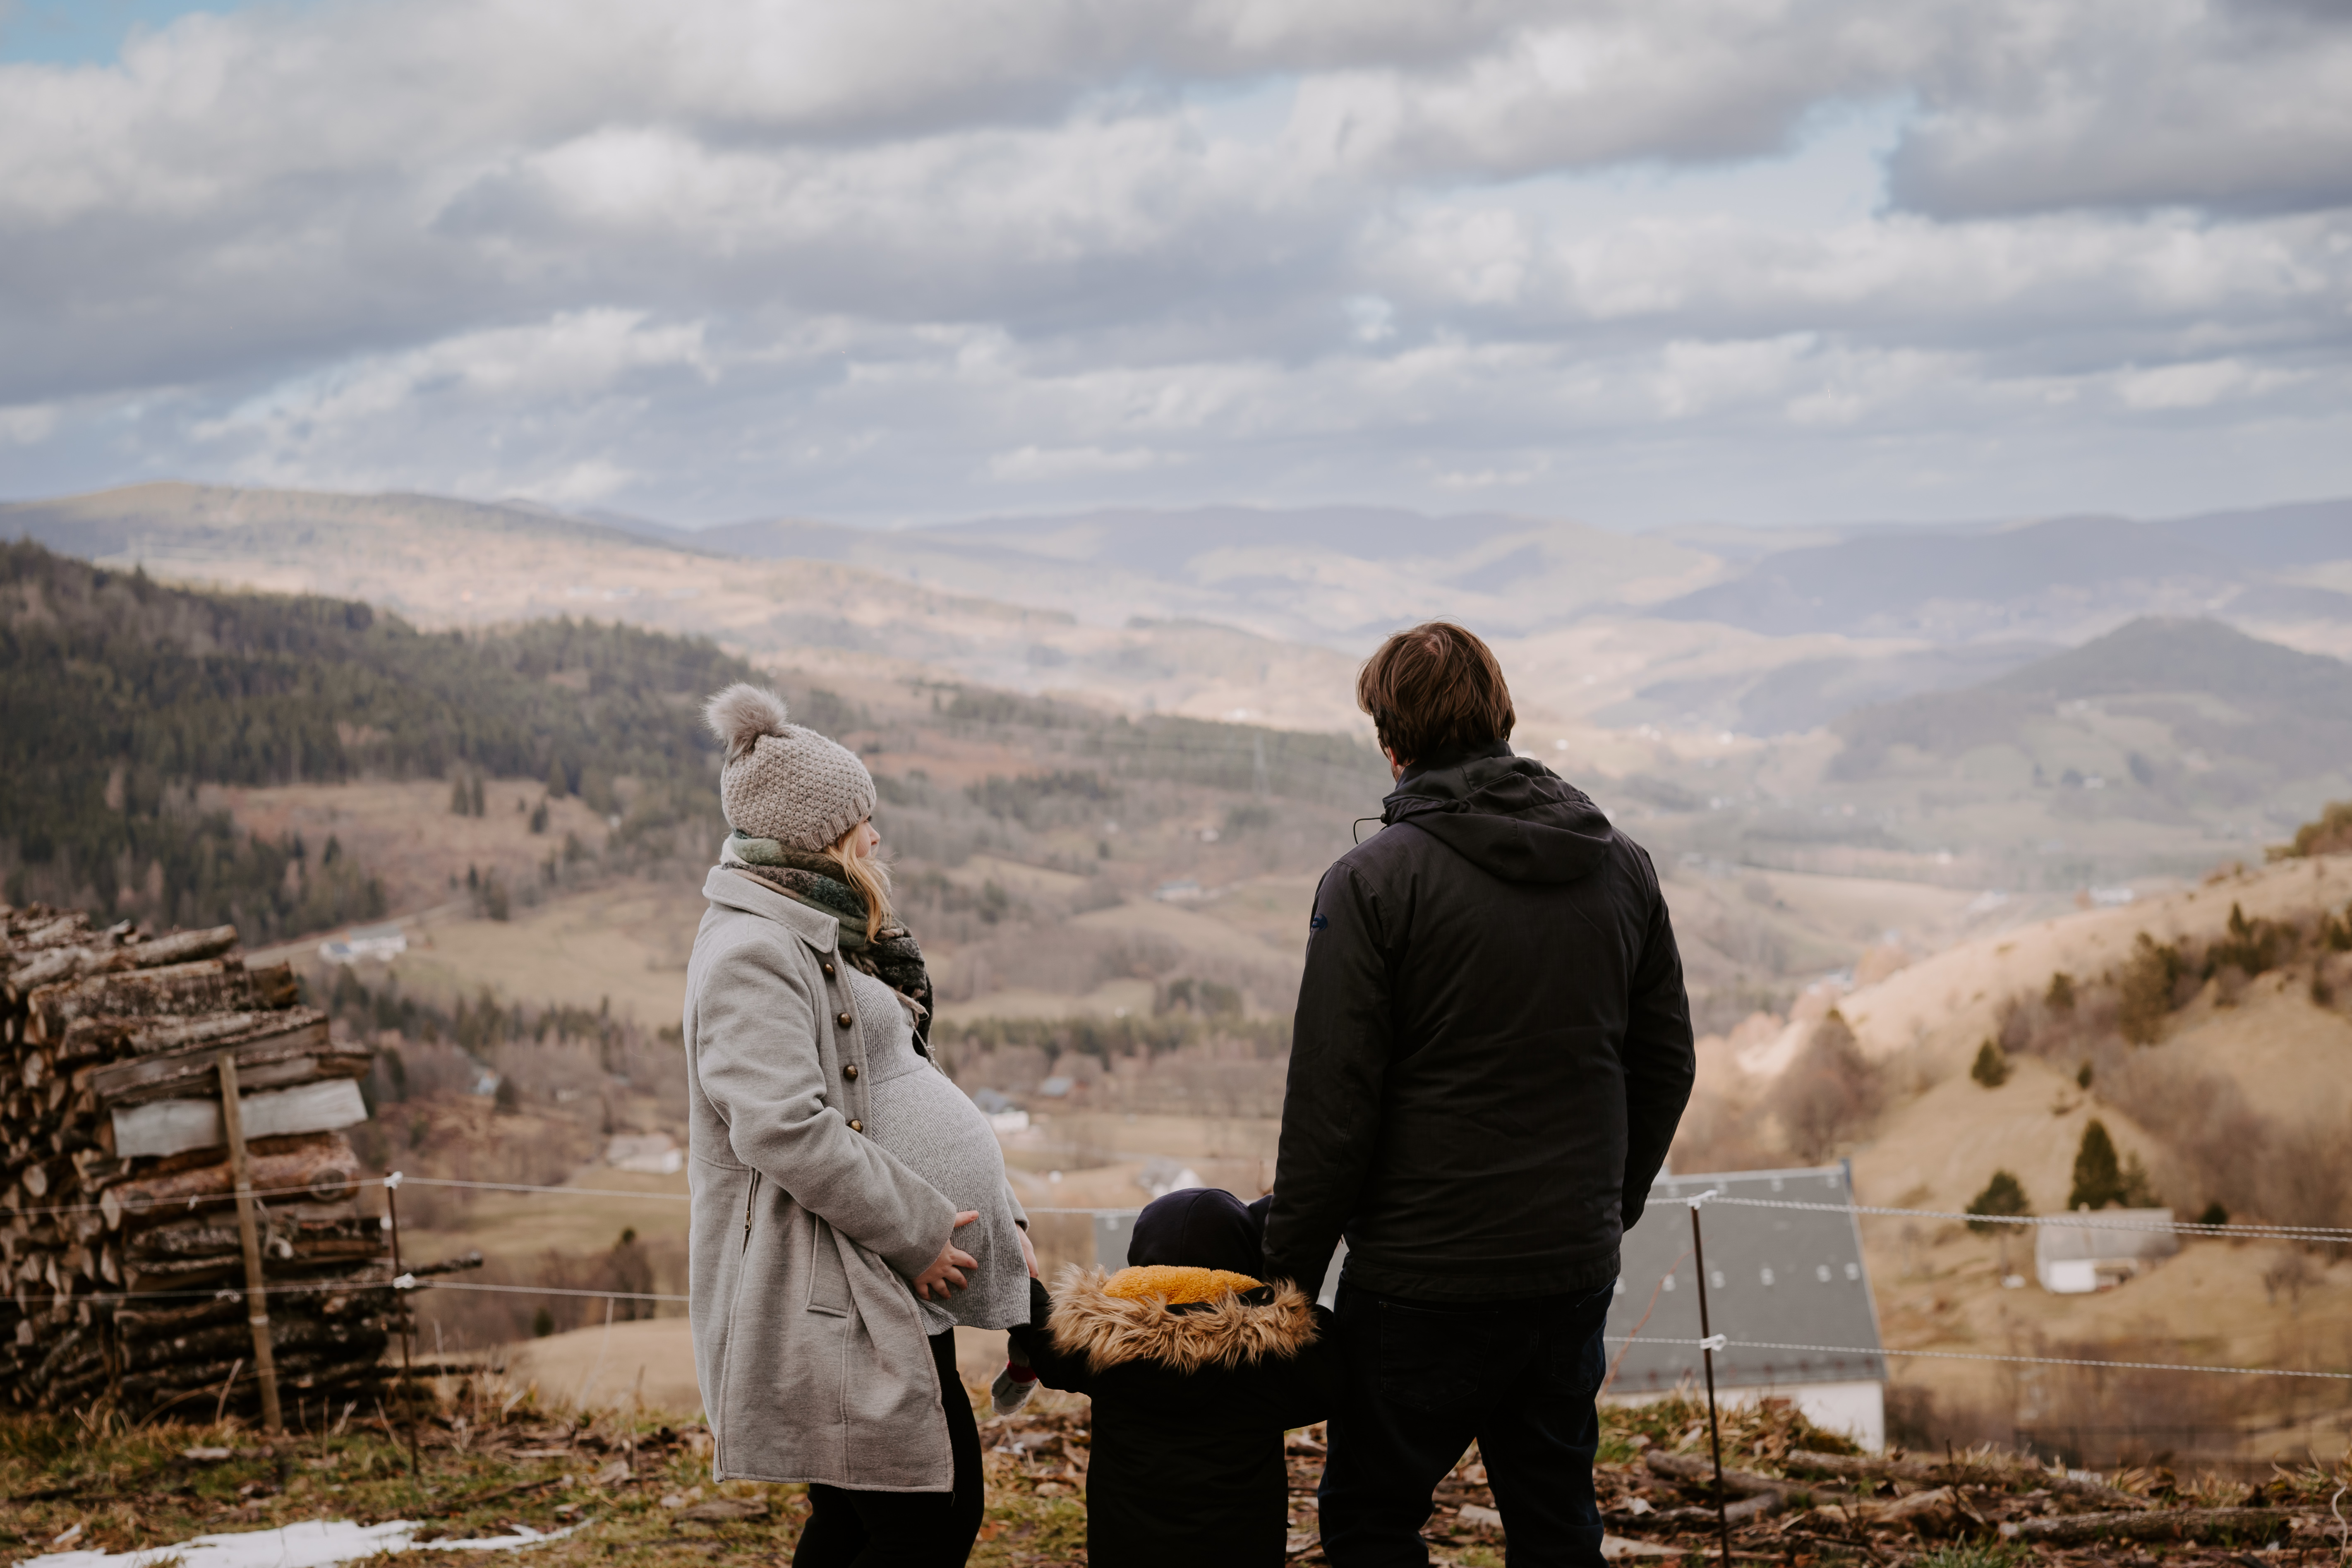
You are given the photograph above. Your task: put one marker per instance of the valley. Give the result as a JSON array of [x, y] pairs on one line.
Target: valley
[[1114, 755]]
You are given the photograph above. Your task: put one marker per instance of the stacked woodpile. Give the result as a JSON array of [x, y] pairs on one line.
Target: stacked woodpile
[[123, 1269]]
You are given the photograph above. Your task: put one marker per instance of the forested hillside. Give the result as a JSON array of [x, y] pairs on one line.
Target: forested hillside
[[118, 696]]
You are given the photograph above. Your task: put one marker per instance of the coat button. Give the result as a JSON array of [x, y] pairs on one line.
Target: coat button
[[849, 1071], [857, 1126], [828, 970], [842, 1020]]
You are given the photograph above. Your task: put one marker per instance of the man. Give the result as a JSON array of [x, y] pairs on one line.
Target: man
[[1492, 1049]]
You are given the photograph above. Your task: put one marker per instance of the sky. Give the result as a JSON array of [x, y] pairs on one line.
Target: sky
[[1634, 262]]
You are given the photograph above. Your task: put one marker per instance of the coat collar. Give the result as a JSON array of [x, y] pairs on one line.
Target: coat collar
[[734, 889]]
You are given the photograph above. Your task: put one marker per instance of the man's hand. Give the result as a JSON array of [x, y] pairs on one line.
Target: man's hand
[[945, 1275], [1028, 1251]]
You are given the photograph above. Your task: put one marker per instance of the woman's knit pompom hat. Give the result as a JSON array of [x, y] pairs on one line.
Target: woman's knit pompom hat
[[781, 781]]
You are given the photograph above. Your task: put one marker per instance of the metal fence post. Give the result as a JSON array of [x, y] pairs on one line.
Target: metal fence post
[[407, 1321], [1708, 1343]]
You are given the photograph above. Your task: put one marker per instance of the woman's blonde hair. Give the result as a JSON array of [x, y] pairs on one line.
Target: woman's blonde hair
[[869, 876]]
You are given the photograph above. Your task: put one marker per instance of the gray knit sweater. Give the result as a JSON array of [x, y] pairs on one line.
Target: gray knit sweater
[[920, 1116]]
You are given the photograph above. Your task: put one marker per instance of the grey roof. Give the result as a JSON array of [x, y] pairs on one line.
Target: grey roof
[[2103, 1236], [1786, 1276]]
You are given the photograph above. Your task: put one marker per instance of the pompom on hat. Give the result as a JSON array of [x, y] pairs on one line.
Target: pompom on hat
[[780, 780]]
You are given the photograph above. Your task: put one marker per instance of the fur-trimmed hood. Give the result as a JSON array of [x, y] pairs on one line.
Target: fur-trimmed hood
[[1186, 1323]]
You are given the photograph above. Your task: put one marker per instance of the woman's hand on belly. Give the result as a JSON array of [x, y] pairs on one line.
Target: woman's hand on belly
[[946, 1273]]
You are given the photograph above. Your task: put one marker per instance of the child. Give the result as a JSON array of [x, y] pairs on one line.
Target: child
[[1196, 1370]]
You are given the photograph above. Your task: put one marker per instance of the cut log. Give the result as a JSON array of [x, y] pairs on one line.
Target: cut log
[[300, 1054], [322, 1170], [182, 947], [66, 963], [112, 1037], [208, 985], [176, 1126], [206, 1236], [2225, 1526]]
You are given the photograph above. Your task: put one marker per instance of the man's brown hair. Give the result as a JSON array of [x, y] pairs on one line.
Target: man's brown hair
[[1435, 689]]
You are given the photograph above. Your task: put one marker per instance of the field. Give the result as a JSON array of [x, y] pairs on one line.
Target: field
[[623, 1480]]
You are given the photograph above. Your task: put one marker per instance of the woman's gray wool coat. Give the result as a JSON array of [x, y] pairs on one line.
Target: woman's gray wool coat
[[813, 1356]]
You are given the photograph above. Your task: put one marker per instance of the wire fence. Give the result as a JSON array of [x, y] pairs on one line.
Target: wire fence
[[1724, 1342], [1713, 1343]]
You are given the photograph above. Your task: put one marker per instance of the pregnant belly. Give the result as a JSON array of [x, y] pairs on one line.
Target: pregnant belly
[[927, 1123]]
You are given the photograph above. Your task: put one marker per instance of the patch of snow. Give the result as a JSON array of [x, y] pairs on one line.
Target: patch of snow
[[314, 1543]]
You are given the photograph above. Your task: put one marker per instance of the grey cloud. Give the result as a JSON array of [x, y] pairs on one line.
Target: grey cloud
[[2232, 108], [711, 259]]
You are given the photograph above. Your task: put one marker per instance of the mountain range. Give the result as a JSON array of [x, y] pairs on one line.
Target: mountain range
[[1900, 699]]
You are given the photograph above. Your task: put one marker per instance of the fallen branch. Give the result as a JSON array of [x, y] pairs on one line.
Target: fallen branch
[[2226, 1525], [1691, 1469], [459, 1505], [1961, 1472], [1761, 1506]]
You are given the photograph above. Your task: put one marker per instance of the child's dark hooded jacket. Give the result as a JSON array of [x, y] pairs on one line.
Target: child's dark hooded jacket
[[1196, 1370]]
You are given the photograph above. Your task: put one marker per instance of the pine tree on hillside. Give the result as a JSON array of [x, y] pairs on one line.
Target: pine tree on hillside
[[2098, 1174], [1991, 1069], [2004, 1194]]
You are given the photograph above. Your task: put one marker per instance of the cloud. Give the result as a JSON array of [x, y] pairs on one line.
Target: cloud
[[1031, 463], [27, 423], [2223, 105], [2199, 385], [718, 257]]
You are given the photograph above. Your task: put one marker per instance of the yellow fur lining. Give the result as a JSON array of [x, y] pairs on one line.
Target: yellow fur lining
[[1109, 1327], [1176, 1285]]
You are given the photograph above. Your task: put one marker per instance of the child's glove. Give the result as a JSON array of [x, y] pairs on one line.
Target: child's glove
[[1011, 1389], [1014, 1384]]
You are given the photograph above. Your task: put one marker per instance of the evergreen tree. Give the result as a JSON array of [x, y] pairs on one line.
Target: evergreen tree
[[2098, 1174], [2004, 1194], [1991, 1069]]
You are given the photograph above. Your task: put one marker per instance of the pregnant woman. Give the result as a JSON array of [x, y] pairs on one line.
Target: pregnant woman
[[850, 1203]]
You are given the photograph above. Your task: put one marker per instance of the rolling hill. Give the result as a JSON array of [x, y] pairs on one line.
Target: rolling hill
[[2166, 715], [121, 699]]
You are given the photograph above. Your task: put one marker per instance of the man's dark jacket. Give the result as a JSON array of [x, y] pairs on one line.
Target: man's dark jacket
[[1493, 1044]]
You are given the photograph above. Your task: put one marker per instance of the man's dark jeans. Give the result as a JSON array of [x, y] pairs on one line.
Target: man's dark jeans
[[1426, 1378]]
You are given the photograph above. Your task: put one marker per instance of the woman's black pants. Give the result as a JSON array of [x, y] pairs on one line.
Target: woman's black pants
[[904, 1530]]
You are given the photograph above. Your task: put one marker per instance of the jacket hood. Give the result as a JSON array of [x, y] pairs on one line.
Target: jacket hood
[[1206, 1226], [1509, 816], [1210, 1320]]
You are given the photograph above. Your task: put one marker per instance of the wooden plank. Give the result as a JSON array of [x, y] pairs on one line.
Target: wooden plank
[[174, 1126], [257, 1295]]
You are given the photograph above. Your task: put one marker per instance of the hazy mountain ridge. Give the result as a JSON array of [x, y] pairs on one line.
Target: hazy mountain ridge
[[2058, 579]]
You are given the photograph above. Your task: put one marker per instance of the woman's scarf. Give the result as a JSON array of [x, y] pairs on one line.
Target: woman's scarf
[[892, 956]]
